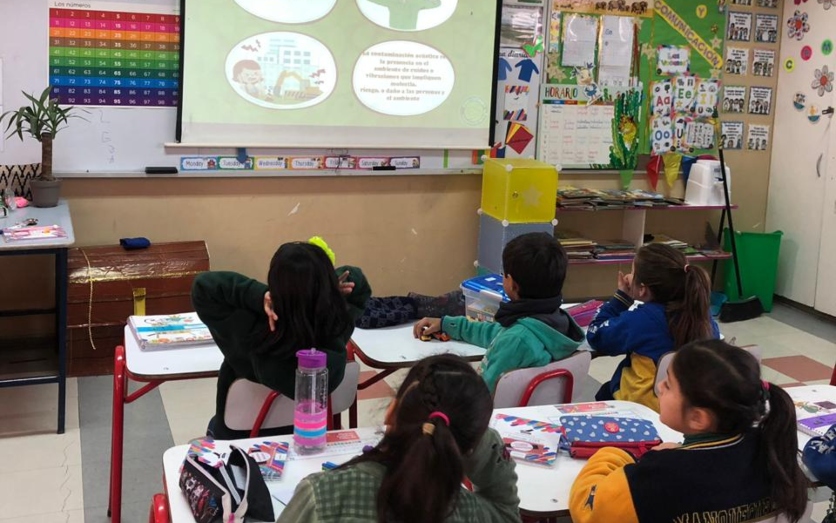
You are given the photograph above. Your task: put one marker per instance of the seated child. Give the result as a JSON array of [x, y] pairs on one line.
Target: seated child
[[738, 462], [530, 330], [259, 328], [436, 434], [675, 311]]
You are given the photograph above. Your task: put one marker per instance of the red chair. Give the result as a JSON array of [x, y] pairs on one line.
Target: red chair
[[549, 385], [159, 509]]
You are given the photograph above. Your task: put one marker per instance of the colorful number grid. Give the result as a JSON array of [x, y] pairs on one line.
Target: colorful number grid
[[114, 58]]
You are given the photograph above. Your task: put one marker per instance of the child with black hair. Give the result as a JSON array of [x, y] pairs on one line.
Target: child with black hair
[[259, 328], [738, 461], [675, 311], [436, 434], [530, 330]]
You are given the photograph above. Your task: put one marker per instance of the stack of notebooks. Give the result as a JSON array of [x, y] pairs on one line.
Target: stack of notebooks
[[679, 245], [576, 246], [172, 331], [614, 250], [593, 199], [814, 415]]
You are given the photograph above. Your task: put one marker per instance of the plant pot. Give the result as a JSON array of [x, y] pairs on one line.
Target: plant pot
[[45, 193]]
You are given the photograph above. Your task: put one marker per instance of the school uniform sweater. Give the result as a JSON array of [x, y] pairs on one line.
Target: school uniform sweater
[[532, 341], [722, 479], [232, 307], [643, 335], [349, 494]]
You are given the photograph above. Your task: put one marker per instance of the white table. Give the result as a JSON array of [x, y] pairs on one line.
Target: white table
[[392, 348], [154, 368], [544, 491], [41, 370], [294, 472], [810, 393]]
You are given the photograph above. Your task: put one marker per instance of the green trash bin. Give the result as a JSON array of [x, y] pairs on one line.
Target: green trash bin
[[757, 253]]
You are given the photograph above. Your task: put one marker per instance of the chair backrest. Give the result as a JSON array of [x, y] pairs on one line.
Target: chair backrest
[[246, 399], [543, 385], [665, 361]]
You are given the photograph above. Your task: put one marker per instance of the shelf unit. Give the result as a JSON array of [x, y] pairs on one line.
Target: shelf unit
[[633, 228]]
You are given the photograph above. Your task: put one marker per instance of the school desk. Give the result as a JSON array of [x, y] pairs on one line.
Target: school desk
[[152, 368], [543, 491], [28, 366]]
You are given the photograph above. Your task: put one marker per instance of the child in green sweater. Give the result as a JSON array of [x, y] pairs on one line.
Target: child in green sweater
[[436, 434], [306, 303], [530, 330]]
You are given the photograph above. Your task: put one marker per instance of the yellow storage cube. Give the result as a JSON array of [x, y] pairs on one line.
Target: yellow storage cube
[[519, 190]]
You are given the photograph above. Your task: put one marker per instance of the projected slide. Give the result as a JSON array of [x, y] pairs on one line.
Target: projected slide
[[348, 73]]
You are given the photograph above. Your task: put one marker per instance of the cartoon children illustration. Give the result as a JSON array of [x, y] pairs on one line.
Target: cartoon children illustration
[[247, 74]]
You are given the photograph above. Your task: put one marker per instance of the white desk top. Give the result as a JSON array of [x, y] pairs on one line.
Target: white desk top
[[397, 347], [810, 393], [59, 215], [545, 490], [186, 363], [294, 472], [541, 489]]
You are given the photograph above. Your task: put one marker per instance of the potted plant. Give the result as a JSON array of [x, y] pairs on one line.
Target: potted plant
[[41, 119]]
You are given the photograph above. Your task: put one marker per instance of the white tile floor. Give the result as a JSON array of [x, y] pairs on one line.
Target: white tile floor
[[42, 480]]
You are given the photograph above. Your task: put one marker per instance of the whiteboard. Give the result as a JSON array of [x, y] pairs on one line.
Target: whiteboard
[[121, 142]]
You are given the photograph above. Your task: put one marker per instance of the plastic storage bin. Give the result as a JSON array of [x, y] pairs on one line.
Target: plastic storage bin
[[519, 190], [757, 253], [482, 296], [705, 185], [495, 234]]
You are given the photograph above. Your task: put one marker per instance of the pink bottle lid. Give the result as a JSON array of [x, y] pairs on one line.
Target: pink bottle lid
[[311, 359]]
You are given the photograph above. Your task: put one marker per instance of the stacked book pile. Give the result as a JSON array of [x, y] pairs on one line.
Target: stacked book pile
[[593, 199], [576, 246], [672, 242], [614, 250]]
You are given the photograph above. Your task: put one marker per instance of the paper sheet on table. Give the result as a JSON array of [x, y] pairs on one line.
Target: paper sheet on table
[[580, 36]]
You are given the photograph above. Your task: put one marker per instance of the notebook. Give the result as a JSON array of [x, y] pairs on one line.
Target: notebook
[[169, 331], [815, 417], [271, 457], [11, 234], [529, 441]]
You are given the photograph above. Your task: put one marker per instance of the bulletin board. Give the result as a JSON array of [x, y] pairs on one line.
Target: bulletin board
[[598, 64]]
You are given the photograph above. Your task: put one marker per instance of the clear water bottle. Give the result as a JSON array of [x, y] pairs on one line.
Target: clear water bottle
[[310, 417]]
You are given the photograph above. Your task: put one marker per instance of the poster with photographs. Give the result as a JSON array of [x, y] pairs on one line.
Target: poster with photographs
[[768, 3], [734, 99], [758, 139], [760, 100], [763, 62], [731, 135], [737, 61], [661, 98], [740, 26], [766, 28]]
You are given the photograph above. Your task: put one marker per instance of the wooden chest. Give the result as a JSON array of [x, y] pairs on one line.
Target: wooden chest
[[107, 284]]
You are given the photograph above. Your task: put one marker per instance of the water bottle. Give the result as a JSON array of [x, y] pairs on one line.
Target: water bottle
[[310, 416]]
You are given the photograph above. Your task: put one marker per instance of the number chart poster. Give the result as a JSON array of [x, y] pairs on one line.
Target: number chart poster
[[114, 54]]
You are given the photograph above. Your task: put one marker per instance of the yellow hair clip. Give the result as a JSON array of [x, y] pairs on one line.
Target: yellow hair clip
[[319, 242]]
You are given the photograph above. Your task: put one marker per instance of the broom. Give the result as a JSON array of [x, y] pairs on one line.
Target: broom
[[740, 309]]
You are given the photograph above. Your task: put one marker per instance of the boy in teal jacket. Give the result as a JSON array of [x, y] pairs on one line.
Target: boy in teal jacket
[[530, 330]]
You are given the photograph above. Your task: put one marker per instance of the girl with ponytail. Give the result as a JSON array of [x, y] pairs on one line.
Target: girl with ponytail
[[675, 311], [437, 434], [738, 461]]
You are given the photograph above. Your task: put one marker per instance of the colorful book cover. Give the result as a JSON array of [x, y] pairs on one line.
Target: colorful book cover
[[204, 450], [530, 451], [271, 457], [528, 440], [169, 330], [529, 424]]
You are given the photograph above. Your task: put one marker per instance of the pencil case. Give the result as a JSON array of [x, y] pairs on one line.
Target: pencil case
[[586, 434]]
